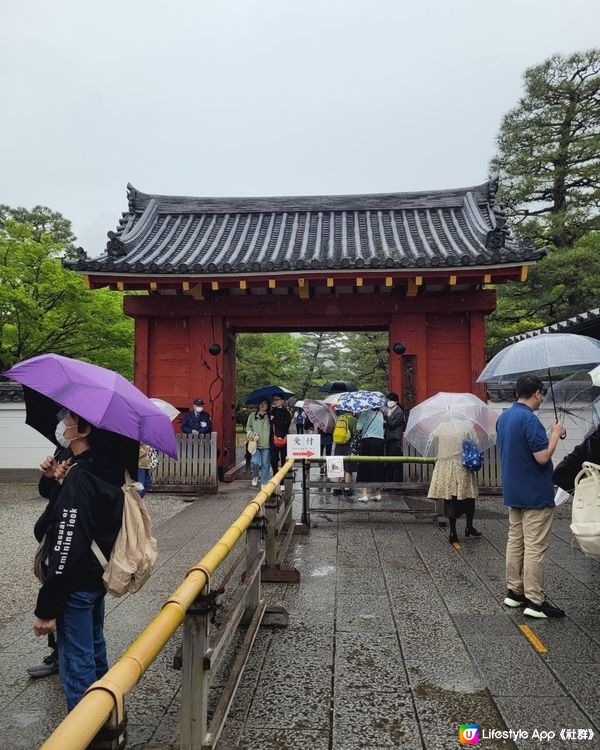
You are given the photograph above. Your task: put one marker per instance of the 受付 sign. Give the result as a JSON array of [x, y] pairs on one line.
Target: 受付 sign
[[303, 446]]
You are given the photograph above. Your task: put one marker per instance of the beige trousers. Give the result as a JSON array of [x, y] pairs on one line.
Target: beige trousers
[[528, 540]]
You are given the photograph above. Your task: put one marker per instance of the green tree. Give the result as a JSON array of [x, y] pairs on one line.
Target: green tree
[[43, 220], [266, 359], [320, 361], [548, 156], [45, 307], [366, 360], [562, 284]]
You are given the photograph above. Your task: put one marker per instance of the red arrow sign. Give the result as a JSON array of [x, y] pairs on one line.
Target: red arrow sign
[[307, 454]]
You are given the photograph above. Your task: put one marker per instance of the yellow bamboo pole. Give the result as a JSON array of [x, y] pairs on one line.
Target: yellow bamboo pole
[[82, 724]]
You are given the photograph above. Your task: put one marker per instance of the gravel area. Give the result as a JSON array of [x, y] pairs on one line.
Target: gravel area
[[20, 507]]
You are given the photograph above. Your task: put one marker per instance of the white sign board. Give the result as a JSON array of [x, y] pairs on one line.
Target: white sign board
[[303, 446]]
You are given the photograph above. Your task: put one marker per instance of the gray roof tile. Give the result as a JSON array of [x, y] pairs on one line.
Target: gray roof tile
[[178, 234]]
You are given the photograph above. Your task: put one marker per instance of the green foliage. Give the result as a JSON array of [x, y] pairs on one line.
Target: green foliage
[[321, 360], [548, 150], [366, 360], [549, 167], [266, 359], [43, 220], [45, 308], [564, 283]]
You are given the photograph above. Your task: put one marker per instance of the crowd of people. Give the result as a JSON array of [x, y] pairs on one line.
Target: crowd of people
[[380, 431]]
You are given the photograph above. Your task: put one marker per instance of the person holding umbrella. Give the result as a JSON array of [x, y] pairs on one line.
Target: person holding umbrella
[[258, 428], [86, 504], [526, 464]]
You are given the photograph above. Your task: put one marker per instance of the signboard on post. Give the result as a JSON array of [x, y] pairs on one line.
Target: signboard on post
[[303, 446]]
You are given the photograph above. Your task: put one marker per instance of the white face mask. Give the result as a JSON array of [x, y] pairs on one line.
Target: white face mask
[[59, 434], [391, 404]]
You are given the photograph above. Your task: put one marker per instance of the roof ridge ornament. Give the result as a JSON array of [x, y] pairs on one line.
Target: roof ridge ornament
[[115, 248]]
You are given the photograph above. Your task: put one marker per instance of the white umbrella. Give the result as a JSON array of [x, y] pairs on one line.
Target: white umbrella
[[299, 404], [461, 414], [171, 411]]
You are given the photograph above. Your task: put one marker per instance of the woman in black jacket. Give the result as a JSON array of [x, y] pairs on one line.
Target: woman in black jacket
[[566, 471], [394, 421]]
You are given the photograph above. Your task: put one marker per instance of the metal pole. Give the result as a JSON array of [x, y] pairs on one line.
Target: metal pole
[[305, 492]]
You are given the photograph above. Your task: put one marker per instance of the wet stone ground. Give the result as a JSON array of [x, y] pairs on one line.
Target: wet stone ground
[[396, 638]]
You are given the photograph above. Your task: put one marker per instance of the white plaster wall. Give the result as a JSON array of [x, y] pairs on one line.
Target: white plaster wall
[[21, 447]]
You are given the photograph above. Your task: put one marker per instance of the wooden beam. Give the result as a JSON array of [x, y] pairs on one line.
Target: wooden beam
[[452, 281], [214, 285], [524, 272], [120, 286], [272, 283], [389, 281], [412, 289], [185, 285], [419, 281], [487, 279], [330, 282], [303, 289], [153, 286], [243, 284], [359, 281], [197, 292], [86, 281]]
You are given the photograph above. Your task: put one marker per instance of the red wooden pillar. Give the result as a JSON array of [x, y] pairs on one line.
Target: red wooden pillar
[[477, 339], [141, 349], [408, 371]]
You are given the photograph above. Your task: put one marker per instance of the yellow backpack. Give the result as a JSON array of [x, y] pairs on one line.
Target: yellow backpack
[[341, 431]]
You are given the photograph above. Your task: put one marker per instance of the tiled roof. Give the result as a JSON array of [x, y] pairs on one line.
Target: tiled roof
[[446, 228], [571, 325], [11, 391]]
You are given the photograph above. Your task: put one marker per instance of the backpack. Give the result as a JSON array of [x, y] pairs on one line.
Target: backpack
[[472, 457], [341, 431], [585, 518], [135, 550]]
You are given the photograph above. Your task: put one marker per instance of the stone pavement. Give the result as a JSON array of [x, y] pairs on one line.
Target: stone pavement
[[395, 639]]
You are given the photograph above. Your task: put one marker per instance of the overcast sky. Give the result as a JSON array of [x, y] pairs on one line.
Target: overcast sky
[[260, 97]]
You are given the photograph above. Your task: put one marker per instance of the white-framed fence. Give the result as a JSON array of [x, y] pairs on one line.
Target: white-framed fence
[[194, 470]]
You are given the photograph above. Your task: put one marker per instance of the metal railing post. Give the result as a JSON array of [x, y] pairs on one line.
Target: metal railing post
[[305, 493], [195, 678]]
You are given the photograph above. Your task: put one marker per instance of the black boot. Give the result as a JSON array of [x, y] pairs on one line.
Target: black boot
[[472, 531], [453, 538], [470, 514]]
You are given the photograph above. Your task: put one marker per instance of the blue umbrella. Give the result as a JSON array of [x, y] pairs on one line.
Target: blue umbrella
[[267, 391], [360, 401]]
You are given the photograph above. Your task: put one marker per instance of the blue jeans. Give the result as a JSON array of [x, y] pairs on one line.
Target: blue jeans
[[144, 479], [81, 645], [261, 461]]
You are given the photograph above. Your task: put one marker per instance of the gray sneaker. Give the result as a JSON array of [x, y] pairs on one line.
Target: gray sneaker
[[48, 666]]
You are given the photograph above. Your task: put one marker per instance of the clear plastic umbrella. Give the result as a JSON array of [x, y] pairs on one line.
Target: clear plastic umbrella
[[575, 400], [556, 352], [462, 414], [320, 414], [171, 411]]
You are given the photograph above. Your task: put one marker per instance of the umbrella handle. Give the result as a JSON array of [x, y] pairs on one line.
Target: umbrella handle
[[552, 392]]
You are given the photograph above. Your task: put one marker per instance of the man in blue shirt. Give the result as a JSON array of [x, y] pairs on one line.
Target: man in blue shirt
[[197, 421], [525, 457]]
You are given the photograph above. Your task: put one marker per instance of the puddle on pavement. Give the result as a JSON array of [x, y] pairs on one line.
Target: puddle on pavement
[[323, 570]]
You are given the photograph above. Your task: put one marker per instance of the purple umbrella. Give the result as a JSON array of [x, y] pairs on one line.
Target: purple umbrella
[[102, 397]]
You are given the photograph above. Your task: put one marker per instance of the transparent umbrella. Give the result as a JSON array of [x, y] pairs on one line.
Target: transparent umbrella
[[575, 400], [462, 414]]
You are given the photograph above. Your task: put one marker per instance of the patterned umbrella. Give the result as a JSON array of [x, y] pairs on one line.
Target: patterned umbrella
[[360, 401], [320, 414]]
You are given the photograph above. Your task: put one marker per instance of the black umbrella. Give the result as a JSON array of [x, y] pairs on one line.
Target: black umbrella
[[338, 386], [41, 414]]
